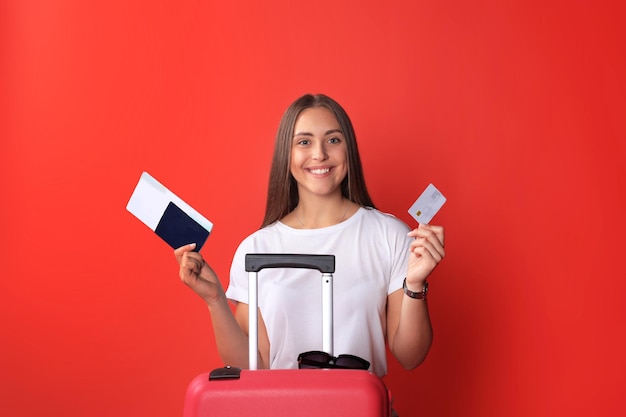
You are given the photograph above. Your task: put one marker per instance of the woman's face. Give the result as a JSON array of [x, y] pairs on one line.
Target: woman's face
[[319, 153]]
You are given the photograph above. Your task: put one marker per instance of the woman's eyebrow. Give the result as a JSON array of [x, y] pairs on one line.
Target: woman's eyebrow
[[329, 132]]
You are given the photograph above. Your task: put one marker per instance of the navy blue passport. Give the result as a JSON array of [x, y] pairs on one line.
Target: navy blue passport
[[176, 228]]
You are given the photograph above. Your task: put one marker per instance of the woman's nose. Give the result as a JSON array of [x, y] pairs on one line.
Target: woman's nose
[[319, 152]]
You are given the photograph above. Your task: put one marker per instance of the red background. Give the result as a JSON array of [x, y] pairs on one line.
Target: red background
[[515, 110]]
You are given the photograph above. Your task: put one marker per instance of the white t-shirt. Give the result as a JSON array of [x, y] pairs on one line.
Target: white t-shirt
[[371, 253]]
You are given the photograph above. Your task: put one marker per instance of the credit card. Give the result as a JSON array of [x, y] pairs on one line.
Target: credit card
[[173, 220], [427, 205]]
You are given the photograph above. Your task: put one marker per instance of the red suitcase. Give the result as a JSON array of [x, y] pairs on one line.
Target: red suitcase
[[288, 392]]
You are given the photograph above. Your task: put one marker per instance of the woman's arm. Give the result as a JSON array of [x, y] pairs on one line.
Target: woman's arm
[[409, 330], [231, 330]]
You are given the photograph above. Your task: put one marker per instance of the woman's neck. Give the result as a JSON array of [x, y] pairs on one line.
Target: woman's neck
[[318, 213]]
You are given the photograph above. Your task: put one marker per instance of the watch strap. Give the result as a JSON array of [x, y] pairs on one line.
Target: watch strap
[[421, 295]]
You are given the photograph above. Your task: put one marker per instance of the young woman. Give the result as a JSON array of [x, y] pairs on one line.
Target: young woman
[[318, 203]]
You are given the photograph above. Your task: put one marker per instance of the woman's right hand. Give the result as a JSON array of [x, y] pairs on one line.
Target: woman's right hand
[[197, 274]]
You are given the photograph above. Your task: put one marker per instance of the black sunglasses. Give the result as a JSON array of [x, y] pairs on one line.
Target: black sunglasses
[[316, 359]]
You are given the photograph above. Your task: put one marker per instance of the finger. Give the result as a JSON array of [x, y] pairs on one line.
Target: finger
[[190, 267], [430, 234], [424, 247], [179, 252], [436, 230], [192, 260]]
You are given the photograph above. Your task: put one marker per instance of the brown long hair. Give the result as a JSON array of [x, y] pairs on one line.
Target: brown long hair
[[282, 193]]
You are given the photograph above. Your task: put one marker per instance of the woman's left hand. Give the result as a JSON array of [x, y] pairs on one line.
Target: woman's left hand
[[425, 253]]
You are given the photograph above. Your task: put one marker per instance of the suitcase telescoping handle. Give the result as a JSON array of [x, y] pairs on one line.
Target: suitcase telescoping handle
[[258, 261]]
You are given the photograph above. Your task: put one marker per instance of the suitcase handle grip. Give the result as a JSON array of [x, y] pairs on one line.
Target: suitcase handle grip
[[257, 261]]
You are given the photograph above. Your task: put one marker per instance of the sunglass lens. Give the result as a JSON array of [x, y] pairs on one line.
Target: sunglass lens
[[352, 362], [313, 359]]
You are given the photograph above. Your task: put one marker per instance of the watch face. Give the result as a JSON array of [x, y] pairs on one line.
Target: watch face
[[426, 288]]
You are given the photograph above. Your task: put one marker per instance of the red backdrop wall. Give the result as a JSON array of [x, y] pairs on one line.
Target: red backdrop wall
[[515, 110]]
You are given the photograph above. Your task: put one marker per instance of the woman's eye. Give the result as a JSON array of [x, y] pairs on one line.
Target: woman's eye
[[334, 140], [303, 142]]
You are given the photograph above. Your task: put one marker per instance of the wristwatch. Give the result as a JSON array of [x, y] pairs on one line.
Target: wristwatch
[[417, 295]]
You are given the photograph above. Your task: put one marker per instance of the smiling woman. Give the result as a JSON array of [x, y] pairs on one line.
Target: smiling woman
[[318, 203]]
